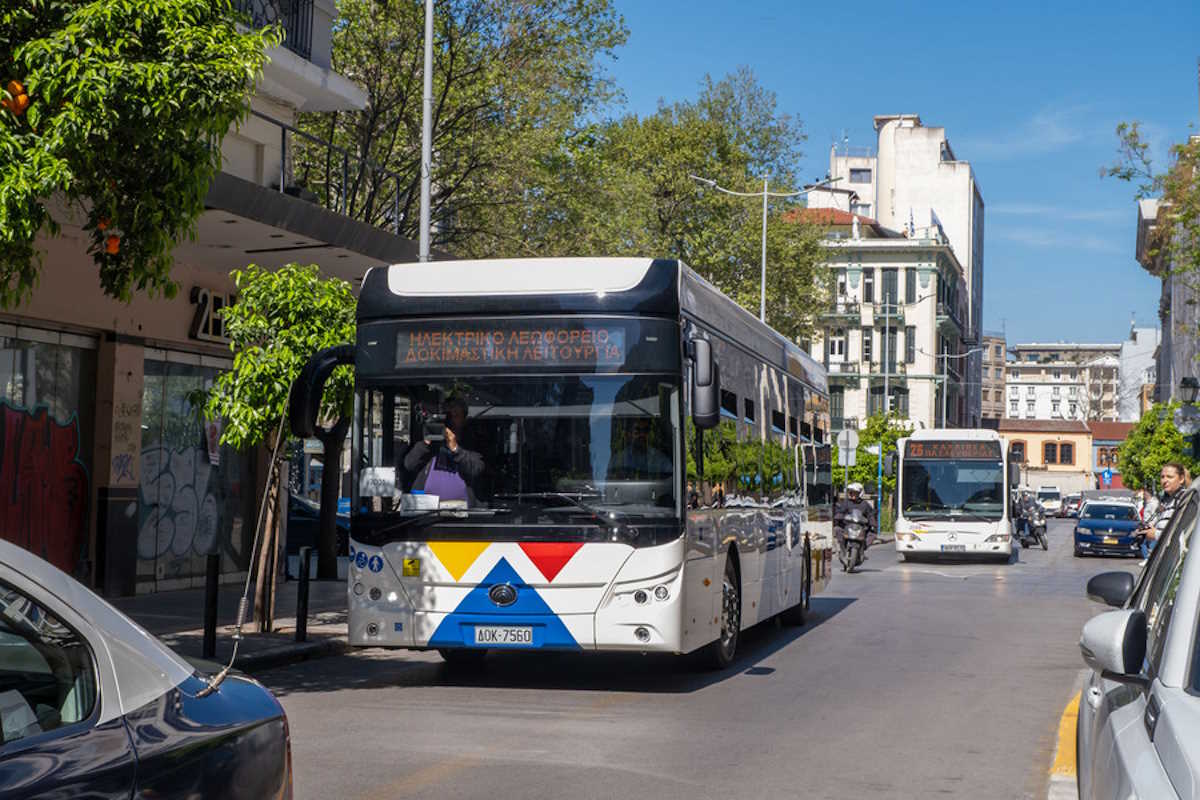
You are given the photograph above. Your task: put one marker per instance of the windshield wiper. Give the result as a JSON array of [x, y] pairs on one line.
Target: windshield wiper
[[438, 512], [605, 520]]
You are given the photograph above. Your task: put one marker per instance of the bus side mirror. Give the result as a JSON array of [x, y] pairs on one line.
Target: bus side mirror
[[706, 385], [1014, 473], [889, 465], [304, 401]]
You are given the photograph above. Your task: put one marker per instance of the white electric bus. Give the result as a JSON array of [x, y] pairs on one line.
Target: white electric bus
[[953, 490], [576, 454]]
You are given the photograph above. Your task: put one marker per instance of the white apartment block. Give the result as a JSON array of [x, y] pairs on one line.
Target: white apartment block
[[895, 324], [1064, 382], [1138, 369], [913, 179]]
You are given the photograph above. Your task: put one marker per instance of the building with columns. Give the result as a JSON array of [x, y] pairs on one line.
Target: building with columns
[[894, 324], [111, 473]]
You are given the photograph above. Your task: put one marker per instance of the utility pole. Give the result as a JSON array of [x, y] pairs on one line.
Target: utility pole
[[426, 136], [762, 281]]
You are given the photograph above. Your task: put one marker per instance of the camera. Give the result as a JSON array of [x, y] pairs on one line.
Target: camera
[[433, 430]]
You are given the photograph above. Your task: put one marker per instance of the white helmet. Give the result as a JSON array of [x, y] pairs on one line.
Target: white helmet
[[854, 488]]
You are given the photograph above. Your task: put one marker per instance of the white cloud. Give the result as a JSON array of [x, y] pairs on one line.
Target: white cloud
[[1050, 238], [1063, 213], [1049, 129]]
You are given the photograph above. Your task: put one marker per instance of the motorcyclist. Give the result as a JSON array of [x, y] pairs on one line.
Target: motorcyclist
[[1027, 509], [845, 508]]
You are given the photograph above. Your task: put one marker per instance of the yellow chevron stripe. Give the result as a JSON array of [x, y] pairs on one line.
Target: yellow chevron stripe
[[457, 557]]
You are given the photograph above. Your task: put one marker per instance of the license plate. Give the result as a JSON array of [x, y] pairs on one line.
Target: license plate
[[1110, 540], [490, 635], [954, 548]]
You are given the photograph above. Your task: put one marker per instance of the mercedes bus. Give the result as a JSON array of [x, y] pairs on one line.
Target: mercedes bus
[[575, 454], [953, 489]]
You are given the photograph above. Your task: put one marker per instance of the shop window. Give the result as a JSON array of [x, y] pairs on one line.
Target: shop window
[[1050, 453]]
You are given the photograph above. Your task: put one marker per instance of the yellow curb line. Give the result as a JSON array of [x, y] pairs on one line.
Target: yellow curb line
[[1064, 753]]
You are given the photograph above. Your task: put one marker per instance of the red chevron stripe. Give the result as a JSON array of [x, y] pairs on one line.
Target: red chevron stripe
[[550, 557]]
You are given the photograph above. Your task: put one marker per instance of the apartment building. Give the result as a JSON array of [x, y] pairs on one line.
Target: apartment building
[[892, 337], [995, 356], [121, 483], [1178, 311], [1138, 370], [913, 179], [1063, 381]]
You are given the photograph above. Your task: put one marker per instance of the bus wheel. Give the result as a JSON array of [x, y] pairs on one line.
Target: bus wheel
[[721, 652], [462, 658]]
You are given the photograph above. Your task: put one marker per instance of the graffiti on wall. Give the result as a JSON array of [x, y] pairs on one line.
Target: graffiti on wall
[[179, 512], [43, 485]]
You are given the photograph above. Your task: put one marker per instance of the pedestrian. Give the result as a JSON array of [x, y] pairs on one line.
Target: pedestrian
[[1173, 478]]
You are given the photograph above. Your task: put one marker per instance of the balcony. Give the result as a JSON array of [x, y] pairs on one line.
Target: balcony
[[843, 311], [891, 311], [897, 373], [947, 317], [294, 16], [846, 371], [843, 423]]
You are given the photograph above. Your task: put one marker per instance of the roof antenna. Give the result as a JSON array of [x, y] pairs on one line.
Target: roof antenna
[[272, 472]]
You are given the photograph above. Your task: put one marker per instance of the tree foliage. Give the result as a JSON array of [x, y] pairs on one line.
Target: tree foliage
[[878, 428], [1153, 442], [1175, 239], [280, 319], [511, 82], [117, 108]]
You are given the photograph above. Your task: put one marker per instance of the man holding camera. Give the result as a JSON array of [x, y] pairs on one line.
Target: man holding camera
[[441, 462]]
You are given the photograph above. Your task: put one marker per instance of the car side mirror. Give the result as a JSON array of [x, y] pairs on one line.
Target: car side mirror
[[706, 385], [1114, 644], [1110, 588]]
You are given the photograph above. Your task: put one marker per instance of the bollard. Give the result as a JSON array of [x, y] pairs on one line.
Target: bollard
[[302, 595], [212, 569]]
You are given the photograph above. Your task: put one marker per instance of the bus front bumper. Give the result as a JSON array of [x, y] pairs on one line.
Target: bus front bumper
[[953, 544]]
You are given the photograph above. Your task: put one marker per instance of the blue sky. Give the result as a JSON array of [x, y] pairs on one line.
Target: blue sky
[[1029, 93]]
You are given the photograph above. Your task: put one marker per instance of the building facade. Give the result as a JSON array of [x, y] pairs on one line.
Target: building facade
[[912, 179], [1178, 311], [1051, 453], [894, 325], [1064, 382], [117, 478], [1137, 370], [995, 356], [1107, 438]]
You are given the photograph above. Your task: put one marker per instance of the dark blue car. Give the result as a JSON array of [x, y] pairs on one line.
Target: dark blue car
[[92, 706], [1107, 528]]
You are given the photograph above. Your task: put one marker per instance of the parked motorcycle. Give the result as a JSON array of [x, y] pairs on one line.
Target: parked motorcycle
[[853, 529], [1034, 532]]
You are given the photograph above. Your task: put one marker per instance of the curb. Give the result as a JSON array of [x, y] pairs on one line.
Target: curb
[[1064, 783], [283, 655]]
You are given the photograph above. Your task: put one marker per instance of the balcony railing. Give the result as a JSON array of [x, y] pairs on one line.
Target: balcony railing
[[843, 308], [294, 16], [843, 369], [889, 310]]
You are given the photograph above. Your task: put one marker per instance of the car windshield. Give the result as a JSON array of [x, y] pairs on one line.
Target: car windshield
[[935, 487], [1094, 511], [1044, 494], [499, 447]]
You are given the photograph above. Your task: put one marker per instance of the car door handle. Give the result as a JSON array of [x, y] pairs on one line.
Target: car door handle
[[1094, 696]]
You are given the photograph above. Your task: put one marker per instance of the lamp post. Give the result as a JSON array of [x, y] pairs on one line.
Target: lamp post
[[762, 285], [426, 136], [886, 328]]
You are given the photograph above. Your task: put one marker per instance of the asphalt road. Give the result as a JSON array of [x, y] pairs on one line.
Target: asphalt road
[[910, 680]]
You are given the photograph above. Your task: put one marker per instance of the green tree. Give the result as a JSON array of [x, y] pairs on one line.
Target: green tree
[[115, 109], [280, 320], [1175, 240], [879, 427], [511, 83], [626, 189], [1153, 442]]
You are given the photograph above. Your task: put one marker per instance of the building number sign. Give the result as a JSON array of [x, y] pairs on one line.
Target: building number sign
[[208, 324]]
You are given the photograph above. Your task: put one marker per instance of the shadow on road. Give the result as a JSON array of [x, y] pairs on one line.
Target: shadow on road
[[627, 672]]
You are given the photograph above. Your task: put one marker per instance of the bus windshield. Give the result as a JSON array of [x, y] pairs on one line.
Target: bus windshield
[[959, 488], [532, 450]]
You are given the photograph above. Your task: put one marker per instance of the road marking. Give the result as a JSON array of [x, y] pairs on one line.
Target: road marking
[[1063, 780]]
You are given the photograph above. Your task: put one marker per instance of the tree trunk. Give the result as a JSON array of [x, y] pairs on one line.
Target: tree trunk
[[264, 566], [332, 441]]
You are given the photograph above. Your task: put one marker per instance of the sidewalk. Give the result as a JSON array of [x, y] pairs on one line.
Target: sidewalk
[[178, 619]]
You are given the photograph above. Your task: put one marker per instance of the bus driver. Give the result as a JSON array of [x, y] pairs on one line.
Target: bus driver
[[448, 470]]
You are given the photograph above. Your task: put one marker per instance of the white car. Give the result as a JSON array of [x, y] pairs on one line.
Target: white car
[[1139, 716]]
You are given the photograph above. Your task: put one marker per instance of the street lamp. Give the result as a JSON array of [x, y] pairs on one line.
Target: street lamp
[[426, 137], [946, 373], [886, 329], [762, 289]]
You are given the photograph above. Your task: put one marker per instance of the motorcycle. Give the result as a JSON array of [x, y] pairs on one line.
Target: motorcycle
[[1034, 532], [854, 540]]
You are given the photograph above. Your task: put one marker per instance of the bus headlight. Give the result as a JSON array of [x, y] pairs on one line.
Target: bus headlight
[[907, 537], [998, 537]]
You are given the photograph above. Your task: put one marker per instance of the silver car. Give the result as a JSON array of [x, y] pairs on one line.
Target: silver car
[[1139, 716]]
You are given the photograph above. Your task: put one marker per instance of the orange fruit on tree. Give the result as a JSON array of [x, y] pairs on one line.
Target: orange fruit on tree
[[102, 224], [112, 245], [18, 99]]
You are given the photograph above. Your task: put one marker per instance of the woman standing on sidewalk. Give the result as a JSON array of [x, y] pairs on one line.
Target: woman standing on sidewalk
[[1174, 479]]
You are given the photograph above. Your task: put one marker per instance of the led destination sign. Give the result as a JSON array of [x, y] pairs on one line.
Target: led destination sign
[[512, 344], [933, 449]]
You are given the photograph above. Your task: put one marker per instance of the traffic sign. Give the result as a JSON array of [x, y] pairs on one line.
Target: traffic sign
[[1106, 476], [873, 449], [847, 444]]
